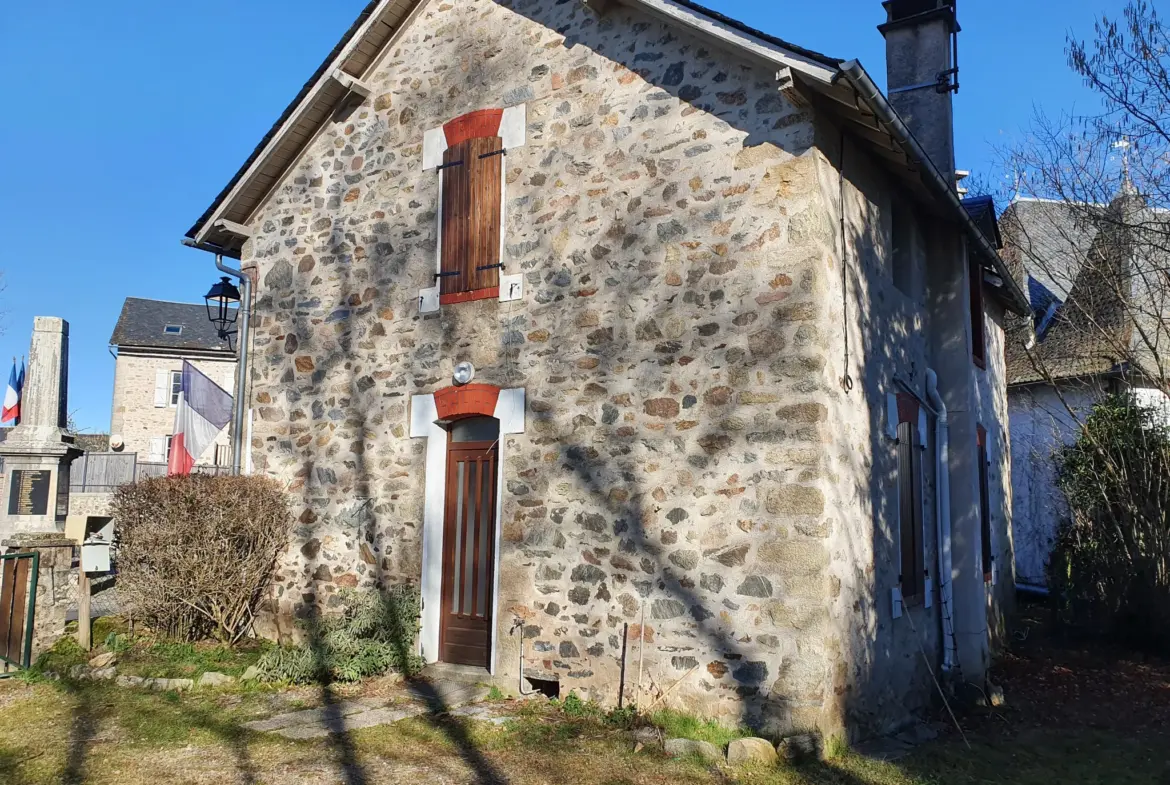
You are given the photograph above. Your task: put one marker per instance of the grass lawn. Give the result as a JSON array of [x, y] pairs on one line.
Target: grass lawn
[[1072, 717]]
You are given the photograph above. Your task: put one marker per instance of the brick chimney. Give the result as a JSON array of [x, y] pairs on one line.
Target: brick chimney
[[922, 73]]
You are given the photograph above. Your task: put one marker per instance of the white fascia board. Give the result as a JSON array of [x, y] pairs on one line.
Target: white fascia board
[[722, 33], [293, 119]]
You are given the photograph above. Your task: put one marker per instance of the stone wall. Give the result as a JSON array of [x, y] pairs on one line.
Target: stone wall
[[994, 417], [93, 504], [690, 453], [135, 417], [878, 668]]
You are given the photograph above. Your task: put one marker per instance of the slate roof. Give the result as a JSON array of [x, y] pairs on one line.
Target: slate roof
[[142, 324], [1102, 265], [982, 212]]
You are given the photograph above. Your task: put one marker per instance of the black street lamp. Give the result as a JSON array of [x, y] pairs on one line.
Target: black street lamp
[[223, 306]]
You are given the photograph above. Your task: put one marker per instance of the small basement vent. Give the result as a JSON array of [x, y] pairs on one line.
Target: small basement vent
[[549, 688]]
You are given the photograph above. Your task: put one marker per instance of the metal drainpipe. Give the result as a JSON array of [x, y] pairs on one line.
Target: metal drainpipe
[[242, 366], [943, 521]]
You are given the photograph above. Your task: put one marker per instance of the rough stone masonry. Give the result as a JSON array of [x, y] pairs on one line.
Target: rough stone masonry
[[672, 214]]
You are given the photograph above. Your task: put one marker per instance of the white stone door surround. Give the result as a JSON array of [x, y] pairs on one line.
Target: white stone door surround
[[429, 416]]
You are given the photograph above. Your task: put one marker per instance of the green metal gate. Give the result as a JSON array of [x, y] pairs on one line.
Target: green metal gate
[[18, 594]]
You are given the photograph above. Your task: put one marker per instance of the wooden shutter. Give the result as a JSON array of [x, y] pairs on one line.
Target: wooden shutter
[[472, 194], [984, 502], [162, 389], [158, 449], [910, 511]]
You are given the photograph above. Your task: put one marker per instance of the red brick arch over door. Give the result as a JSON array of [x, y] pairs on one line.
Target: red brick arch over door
[[468, 400]]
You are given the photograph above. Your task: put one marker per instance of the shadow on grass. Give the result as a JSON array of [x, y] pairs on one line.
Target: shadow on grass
[[90, 707], [457, 731], [11, 766]]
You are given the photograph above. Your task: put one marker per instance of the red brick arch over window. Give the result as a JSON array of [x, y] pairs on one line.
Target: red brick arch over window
[[468, 400], [481, 124]]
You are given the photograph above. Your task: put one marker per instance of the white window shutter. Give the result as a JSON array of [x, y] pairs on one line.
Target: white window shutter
[[158, 449], [229, 381], [162, 389]]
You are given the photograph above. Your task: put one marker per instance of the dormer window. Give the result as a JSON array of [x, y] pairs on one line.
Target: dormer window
[[173, 329]]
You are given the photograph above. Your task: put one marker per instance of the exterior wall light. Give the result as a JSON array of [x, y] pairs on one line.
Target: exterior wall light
[[222, 302], [464, 373]]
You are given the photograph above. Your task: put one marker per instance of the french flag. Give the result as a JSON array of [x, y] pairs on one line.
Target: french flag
[[13, 394], [204, 409]]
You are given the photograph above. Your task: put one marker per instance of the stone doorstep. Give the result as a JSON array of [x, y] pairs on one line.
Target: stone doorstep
[[450, 694]]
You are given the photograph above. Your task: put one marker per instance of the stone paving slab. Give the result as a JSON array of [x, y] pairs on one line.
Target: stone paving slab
[[352, 722], [345, 716], [319, 715]]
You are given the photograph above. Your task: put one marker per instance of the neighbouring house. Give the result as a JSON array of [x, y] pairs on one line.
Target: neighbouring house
[[151, 341], [622, 330], [1097, 319]]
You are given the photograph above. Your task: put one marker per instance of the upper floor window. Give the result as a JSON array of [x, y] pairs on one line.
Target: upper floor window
[[176, 387], [978, 328], [173, 329], [472, 189], [468, 154]]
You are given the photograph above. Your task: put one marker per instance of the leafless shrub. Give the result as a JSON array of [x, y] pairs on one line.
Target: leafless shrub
[[197, 553]]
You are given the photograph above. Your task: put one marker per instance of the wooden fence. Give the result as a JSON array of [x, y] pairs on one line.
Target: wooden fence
[[104, 472]]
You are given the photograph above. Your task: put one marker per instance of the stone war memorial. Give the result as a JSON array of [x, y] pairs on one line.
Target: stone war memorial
[[37, 454]]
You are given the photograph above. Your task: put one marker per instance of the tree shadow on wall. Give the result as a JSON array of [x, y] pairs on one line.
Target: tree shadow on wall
[[602, 461]]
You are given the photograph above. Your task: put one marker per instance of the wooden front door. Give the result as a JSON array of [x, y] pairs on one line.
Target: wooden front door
[[465, 632]]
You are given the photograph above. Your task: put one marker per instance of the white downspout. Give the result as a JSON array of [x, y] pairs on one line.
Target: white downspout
[[943, 519]]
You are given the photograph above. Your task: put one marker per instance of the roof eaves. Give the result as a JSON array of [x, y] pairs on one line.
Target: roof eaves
[[854, 73], [322, 71], [698, 19]]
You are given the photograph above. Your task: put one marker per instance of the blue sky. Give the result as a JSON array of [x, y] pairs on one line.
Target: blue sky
[[123, 119]]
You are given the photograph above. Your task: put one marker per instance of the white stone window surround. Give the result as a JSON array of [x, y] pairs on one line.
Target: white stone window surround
[[513, 134], [424, 423]]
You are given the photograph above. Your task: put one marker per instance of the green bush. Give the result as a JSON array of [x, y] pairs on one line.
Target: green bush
[[196, 554], [374, 634], [1110, 570]]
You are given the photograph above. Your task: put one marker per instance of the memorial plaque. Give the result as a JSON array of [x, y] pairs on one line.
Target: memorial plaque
[[29, 494]]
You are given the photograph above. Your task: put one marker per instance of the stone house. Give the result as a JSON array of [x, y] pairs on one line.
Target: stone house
[[1078, 344], [151, 340], [622, 330]]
